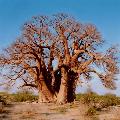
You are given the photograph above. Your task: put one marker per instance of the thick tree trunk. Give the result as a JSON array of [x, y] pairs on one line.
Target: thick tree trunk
[[62, 95], [45, 95], [73, 77], [42, 98]]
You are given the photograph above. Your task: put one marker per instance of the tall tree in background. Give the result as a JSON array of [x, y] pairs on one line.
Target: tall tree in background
[[54, 53]]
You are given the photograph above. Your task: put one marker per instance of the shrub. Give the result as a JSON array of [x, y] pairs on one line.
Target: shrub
[[91, 111], [2, 104], [61, 109], [3, 100], [109, 100], [1, 107], [6, 97], [78, 97], [89, 98], [98, 101], [23, 96]]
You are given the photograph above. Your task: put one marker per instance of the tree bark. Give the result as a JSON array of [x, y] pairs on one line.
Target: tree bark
[[62, 95], [45, 95], [72, 82]]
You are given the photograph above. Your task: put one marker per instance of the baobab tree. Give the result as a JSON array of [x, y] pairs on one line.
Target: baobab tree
[[54, 53]]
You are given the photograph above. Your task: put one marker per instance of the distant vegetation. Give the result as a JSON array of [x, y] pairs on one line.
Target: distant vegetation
[[101, 100], [24, 96], [97, 102], [90, 98], [20, 96]]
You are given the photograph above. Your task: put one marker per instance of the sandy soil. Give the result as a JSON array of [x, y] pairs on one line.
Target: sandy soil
[[111, 113], [37, 111]]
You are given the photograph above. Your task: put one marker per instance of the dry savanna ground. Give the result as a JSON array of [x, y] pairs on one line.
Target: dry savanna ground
[[73, 111], [88, 106]]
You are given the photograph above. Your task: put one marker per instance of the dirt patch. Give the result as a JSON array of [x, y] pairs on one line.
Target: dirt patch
[[110, 113], [74, 111]]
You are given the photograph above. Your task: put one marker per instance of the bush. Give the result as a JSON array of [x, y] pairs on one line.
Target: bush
[[61, 110], [24, 96], [6, 97], [3, 100], [109, 100], [2, 104], [88, 98], [91, 111], [20, 96], [78, 97], [98, 101]]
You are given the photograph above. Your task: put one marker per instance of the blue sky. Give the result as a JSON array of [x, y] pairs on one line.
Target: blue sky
[[105, 14]]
